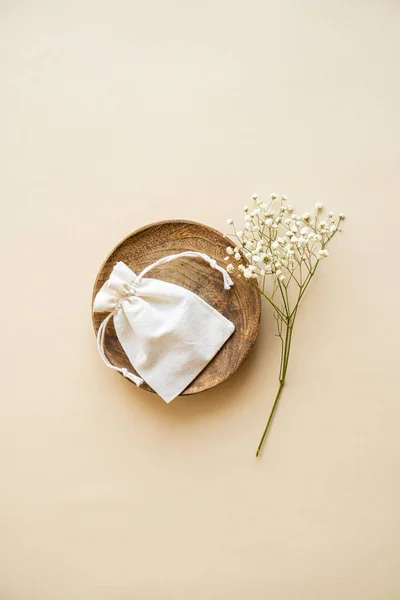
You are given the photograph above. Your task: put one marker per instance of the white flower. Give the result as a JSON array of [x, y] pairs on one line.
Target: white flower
[[241, 268], [333, 228], [237, 256], [230, 268], [284, 197], [319, 206], [229, 221], [247, 226], [279, 272], [273, 196], [268, 222], [341, 216], [289, 208], [229, 250], [262, 272], [275, 245], [255, 196], [322, 253], [257, 258], [240, 234], [282, 277], [304, 231], [330, 215], [306, 217], [248, 273], [317, 237], [246, 209]]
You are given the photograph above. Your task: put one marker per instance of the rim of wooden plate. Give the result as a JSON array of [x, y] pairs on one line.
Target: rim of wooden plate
[[241, 304]]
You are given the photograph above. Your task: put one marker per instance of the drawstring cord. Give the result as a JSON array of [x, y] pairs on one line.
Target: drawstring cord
[[228, 283], [100, 345]]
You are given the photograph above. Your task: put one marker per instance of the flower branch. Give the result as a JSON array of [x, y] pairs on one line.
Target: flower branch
[[280, 252]]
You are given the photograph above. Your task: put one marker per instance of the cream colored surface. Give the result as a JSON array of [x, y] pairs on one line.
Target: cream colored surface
[[117, 114]]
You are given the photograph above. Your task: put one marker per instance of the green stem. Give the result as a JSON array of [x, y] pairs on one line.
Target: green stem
[[282, 377], [282, 383]]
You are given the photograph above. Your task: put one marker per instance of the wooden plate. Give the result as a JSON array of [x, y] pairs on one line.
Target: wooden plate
[[241, 304]]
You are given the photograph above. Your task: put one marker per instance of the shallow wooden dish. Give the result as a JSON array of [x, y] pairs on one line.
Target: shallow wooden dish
[[241, 304]]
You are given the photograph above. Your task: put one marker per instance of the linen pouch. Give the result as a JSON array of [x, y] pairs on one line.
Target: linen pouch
[[168, 333]]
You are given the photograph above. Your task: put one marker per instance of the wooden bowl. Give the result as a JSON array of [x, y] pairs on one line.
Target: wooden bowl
[[241, 304]]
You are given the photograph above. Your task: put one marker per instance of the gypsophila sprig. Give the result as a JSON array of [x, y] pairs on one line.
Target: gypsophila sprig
[[279, 251]]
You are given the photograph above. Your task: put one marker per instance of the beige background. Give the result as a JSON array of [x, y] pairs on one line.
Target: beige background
[[115, 114]]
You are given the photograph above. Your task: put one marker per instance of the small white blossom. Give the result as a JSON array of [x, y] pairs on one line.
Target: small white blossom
[[229, 221], [322, 253], [273, 196], [248, 273], [246, 209], [229, 250], [255, 196], [284, 198], [306, 216], [319, 206], [237, 256], [230, 268], [342, 217]]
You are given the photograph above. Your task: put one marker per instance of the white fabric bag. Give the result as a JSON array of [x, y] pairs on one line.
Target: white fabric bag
[[168, 333]]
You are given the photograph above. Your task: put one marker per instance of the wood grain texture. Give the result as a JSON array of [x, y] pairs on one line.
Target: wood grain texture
[[241, 304]]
